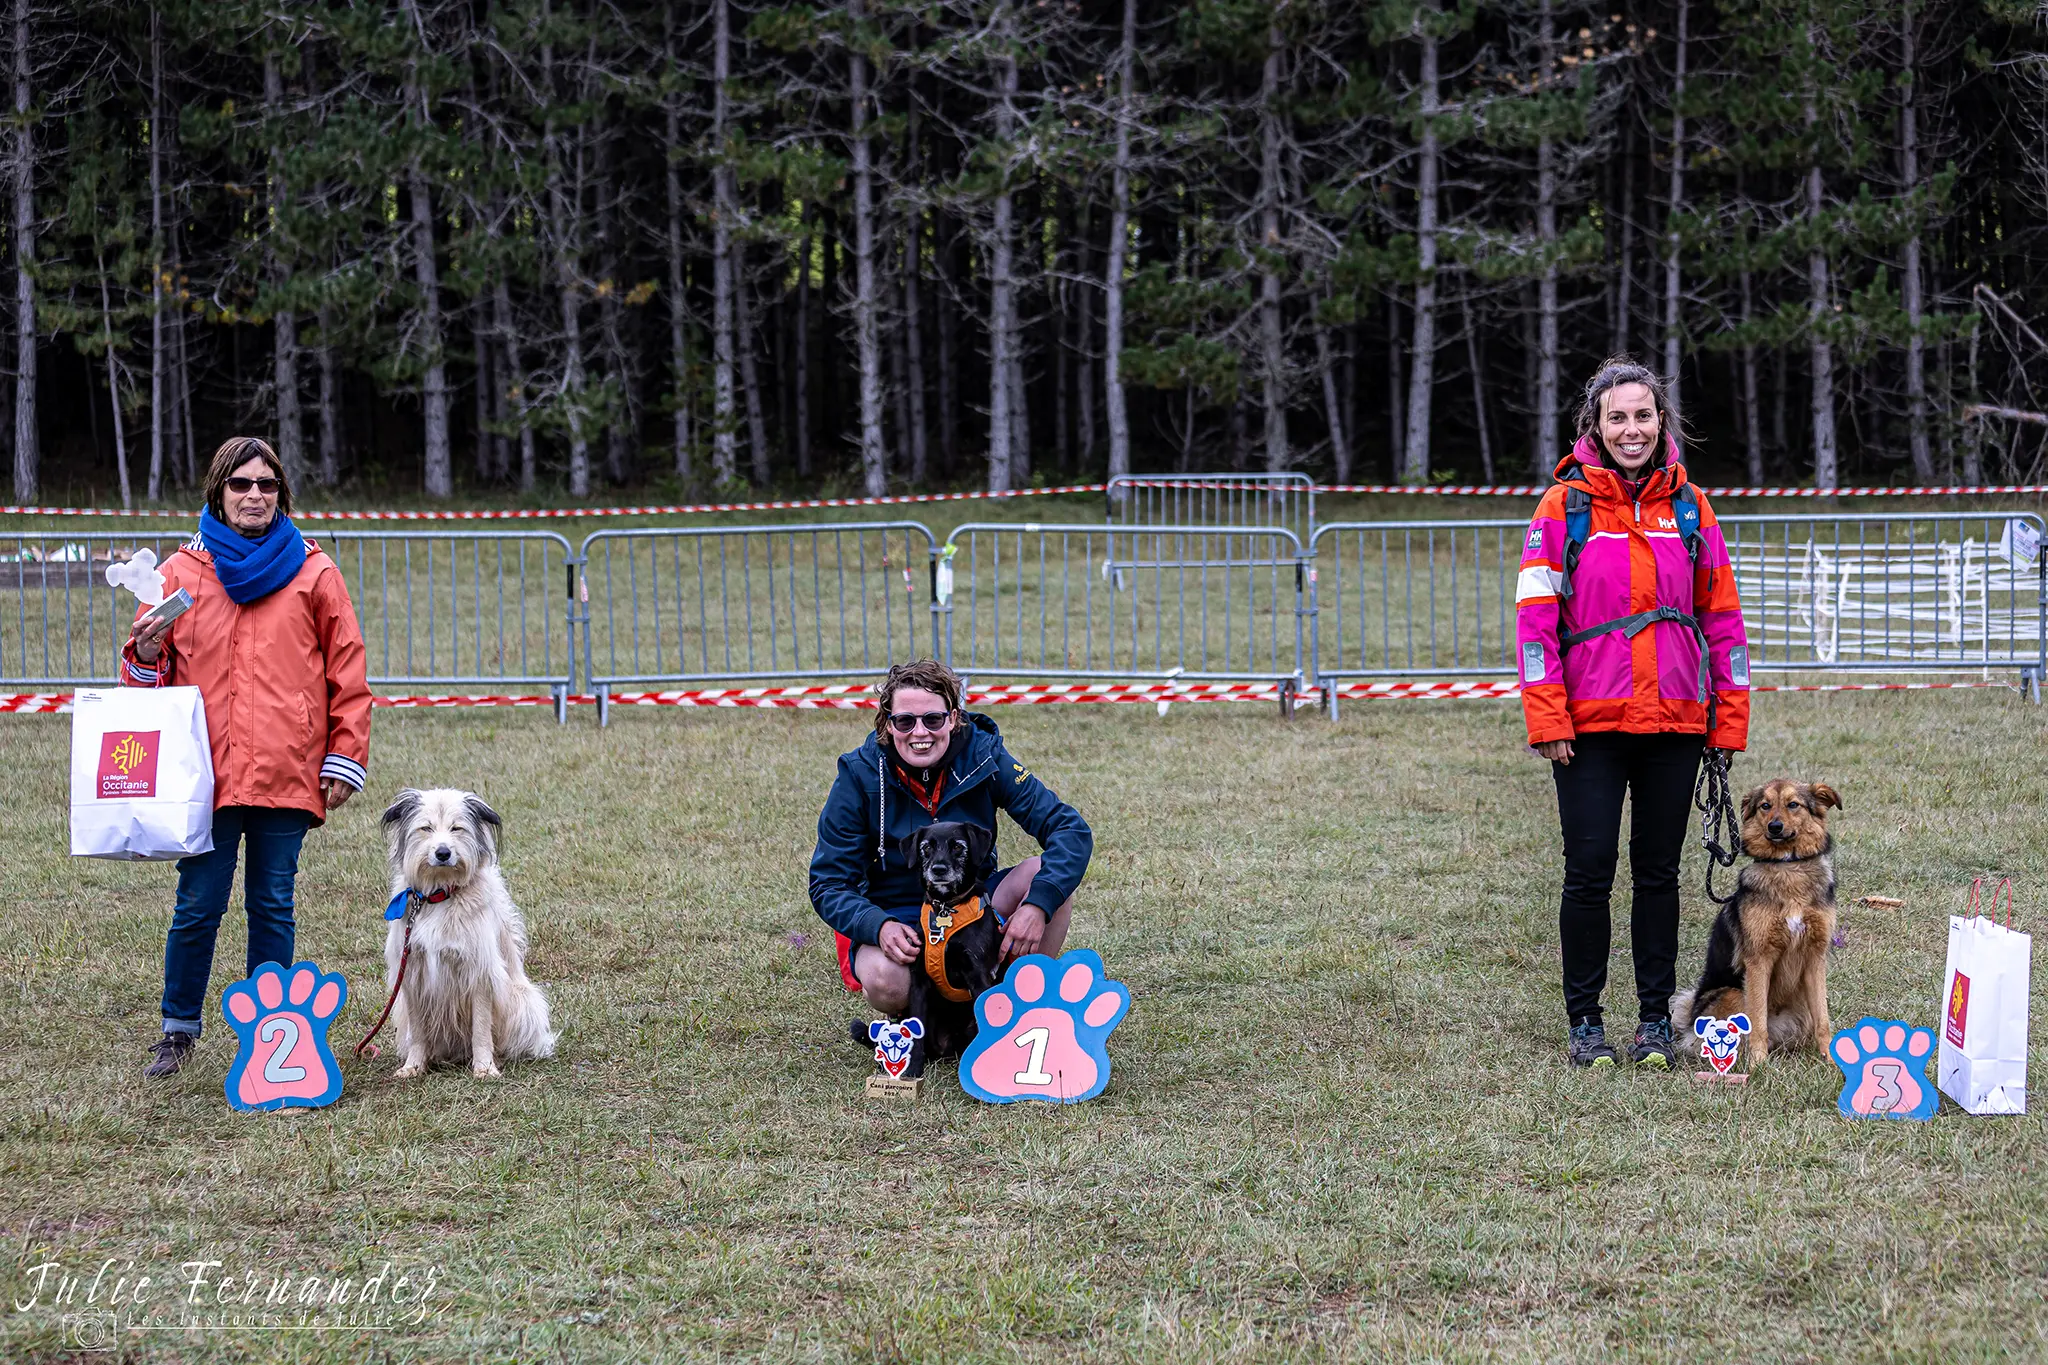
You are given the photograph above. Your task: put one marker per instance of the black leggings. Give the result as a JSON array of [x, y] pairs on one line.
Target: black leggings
[[1657, 771]]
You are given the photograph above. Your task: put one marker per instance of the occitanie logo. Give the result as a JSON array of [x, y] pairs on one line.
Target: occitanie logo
[[128, 755]]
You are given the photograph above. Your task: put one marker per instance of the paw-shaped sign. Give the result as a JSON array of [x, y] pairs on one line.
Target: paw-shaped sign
[[1884, 1065], [280, 1017], [1044, 1031]]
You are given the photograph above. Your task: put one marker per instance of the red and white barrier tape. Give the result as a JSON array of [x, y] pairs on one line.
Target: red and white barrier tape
[[859, 696], [1458, 490]]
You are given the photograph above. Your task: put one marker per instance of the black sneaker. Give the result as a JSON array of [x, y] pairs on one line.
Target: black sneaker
[[1589, 1046], [1653, 1046], [170, 1054]]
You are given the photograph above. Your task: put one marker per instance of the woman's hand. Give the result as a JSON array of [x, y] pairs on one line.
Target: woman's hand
[[334, 793], [898, 942], [1027, 928], [147, 638], [1556, 750]]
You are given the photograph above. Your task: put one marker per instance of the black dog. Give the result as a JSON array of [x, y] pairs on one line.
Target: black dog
[[953, 860]]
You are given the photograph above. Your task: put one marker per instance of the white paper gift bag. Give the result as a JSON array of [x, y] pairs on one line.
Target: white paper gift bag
[[141, 774], [1983, 1064]]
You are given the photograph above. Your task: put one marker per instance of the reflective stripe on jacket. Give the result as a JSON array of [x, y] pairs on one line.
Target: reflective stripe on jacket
[[283, 679], [1634, 560]]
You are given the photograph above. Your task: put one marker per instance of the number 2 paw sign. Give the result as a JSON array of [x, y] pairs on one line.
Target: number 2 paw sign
[[1044, 1031], [1884, 1066], [280, 1017]]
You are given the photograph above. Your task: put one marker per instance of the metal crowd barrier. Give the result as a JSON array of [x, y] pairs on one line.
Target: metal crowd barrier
[[755, 603], [1075, 601], [503, 610], [438, 609], [1287, 501]]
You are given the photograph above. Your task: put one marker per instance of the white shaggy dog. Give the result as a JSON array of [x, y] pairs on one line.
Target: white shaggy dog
[[466, 994]]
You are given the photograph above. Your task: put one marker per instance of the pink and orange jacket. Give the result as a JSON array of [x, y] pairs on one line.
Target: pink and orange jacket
[[1633, 561], [283, 678]]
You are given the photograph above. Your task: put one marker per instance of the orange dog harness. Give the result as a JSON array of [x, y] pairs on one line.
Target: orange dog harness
[[939, 925]]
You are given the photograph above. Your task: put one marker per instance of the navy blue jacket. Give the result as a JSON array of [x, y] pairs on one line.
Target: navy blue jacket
[[859, 877]]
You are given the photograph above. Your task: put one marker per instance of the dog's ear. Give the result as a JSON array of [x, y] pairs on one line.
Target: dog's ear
[[1699, 1026], [981, 845], [402, 808], [487, 821], [1821, 794], [1739, 1022], [1751, 802], [876, 1029], [913, 1027], [912, 847]]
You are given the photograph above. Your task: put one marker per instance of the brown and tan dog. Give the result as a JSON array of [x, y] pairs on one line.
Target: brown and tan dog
[[1768, 954]]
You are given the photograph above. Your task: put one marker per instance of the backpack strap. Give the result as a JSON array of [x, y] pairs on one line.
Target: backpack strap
[[1685, 506], [1578, 529]]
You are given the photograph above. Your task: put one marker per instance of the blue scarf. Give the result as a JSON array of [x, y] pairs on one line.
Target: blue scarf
[[251, 569]]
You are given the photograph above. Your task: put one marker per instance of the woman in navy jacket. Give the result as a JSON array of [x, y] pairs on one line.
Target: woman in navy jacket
[[928, 760]]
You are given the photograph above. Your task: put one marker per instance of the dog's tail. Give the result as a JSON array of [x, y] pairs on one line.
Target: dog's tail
[[1791, 1026], [1681, 1020]]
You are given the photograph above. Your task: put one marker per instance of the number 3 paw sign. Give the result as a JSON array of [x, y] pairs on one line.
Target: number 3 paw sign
[[1044, 1030], [1884, 1065], [280, 1017]]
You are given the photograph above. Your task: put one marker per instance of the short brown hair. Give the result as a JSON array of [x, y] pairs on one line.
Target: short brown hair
[[1615, 371], [235, 452], [927, 675]]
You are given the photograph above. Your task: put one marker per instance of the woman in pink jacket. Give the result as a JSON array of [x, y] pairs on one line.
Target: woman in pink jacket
[[272, 644]]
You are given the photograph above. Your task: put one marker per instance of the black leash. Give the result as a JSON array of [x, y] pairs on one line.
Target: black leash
[[1718, 821]]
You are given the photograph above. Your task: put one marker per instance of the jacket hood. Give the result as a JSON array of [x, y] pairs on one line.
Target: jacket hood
[[1586, 467]]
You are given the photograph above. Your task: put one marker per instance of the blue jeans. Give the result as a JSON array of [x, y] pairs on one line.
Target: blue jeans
[[203, 884]]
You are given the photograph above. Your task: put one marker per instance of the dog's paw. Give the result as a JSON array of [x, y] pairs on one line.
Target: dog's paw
[[280, 1018], [410, 1070], [486, 1069], [1884, 1063], [1044, 1031]]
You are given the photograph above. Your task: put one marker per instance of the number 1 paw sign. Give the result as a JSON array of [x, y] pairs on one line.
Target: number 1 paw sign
[[280, 1017], [1884, 1065], [1044, 1031]]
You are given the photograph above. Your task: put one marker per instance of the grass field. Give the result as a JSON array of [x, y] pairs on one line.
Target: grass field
[[1339, 1125]]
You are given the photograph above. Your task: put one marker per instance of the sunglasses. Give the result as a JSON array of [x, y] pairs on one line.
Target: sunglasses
[[905, 722], [241, 485]]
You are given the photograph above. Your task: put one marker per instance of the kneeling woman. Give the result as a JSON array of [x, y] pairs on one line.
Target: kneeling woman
[[928, 760]]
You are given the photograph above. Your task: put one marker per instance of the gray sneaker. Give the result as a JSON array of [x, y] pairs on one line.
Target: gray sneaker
[[1653, 1045], [170, 1054], [1589, 1046]]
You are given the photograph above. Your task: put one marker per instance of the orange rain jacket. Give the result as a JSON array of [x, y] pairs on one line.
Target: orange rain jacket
[[1633, 561], [283, 678]]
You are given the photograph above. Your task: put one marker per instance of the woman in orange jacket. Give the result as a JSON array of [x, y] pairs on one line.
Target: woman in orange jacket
[[1633, 661], [272, 644]]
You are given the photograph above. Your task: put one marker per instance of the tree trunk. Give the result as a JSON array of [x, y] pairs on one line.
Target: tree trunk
[[439, 473], [1113, 268], [1472, 358], [620, 424], [515, 387], [27, 453], [480, 341], [1271, 339], [874, 464], [913, 339], [1002, 306], [748, 343], [1546, 287], [1422, 374], [1823, 395], [1674, 209], [181, 377], [678, 295], [330, 406], [156, 256], [1340, 448], [1624, 289], [562, 214], [1752, 407], [724, 428], [1916, 345], [1020, 408], [949, 317], [803, 349], [1084, 339], [291, 447], [114, 388]]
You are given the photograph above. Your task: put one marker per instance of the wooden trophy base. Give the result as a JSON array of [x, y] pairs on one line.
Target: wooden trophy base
[[895, 1088], [1721, 1078]]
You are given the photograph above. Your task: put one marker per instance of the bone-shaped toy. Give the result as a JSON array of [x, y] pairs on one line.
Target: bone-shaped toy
[[140, 576]]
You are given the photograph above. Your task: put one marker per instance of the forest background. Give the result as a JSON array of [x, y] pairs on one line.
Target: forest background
[[544, 248]]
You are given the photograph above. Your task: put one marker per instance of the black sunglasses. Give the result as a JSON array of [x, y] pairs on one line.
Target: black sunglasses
[[241, 485], [905, 721]]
